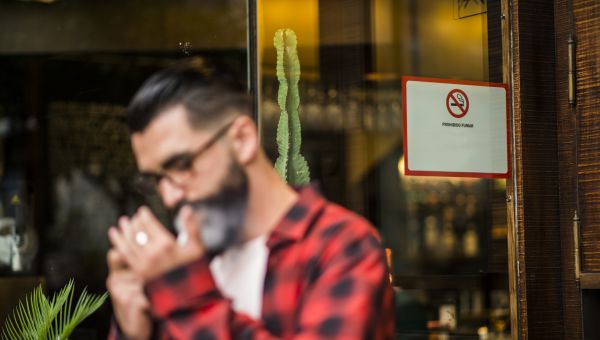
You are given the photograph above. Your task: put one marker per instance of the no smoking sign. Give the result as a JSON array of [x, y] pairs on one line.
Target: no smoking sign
[[455, 128], [457, 103]]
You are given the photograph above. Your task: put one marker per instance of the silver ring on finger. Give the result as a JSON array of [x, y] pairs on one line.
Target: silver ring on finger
[[141, 238]]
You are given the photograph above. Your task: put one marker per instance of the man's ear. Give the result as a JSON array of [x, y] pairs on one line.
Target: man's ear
[[245, 142]]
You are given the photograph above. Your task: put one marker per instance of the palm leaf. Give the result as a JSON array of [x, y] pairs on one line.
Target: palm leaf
[[86, 305], [38, 318]]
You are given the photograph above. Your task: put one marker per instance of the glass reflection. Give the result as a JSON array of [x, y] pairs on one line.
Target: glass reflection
[[447, 236]]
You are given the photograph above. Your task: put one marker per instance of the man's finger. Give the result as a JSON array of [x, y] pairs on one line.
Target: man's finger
[[125, 227], [150, 224], [142, 301], [115, 261], [128, 230], [123, 246], [128, 296], [191, 224]]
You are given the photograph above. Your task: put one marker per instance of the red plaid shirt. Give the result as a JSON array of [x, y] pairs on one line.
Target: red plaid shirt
[[326, 278]]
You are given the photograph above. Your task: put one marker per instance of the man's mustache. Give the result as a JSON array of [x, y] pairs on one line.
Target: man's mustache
[[223, 197]]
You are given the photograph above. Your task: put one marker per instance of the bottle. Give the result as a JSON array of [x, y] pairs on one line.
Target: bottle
[[352, 111], [470, 241], [15, 263], [447, 314], [414, 241], [477, 303], [431, 234], [465, 304], [448, 240], [313, 108], [390, 264], [333, 111]]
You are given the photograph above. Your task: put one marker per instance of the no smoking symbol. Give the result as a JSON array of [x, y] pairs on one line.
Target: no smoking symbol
[[457, 103]]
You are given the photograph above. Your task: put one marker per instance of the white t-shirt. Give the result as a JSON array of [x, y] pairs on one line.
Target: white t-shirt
[[240, 275]]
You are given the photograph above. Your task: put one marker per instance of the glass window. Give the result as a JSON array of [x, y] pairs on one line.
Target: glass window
[[67, 71], [447, 237]]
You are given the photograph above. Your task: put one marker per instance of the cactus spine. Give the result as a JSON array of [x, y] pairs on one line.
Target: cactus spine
[[290, 164]]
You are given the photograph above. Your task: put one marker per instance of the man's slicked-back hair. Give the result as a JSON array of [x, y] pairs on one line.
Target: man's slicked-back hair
[[208, 94]]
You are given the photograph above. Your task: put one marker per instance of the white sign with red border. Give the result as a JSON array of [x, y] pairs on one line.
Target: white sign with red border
[[455, 128]]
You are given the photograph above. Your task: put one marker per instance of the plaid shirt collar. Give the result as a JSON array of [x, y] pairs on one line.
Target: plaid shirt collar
[[298, 219]]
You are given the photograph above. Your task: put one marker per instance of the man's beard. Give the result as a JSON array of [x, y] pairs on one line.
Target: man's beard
[[223, 212]]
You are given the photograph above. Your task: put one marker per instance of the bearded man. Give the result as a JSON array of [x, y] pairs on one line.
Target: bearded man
[[253, 257]]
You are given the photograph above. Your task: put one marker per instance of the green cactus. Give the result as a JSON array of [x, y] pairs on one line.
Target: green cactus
[[290, 164]]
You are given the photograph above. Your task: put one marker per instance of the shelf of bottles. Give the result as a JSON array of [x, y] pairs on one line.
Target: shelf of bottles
[[328, 108], [452, 255], [453, 226]]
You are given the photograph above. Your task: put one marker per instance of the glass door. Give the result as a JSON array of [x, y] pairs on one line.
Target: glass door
[[446, 237], [67, 71]]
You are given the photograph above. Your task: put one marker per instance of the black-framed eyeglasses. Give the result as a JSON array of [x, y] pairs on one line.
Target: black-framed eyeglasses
[[177, 168]]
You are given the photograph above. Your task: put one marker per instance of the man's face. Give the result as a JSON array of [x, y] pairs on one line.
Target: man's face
[[224, 211], [215, 184], [170, 135]]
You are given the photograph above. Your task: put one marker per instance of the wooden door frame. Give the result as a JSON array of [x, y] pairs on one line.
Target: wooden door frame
[[576, 26], [568, 178], [538, 231], [513, 235]]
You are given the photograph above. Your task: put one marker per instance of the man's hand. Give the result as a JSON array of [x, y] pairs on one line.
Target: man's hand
[[149, 249], [130, 305]]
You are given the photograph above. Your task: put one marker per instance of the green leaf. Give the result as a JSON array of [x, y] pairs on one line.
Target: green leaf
[[38, 318], [86, 305]]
